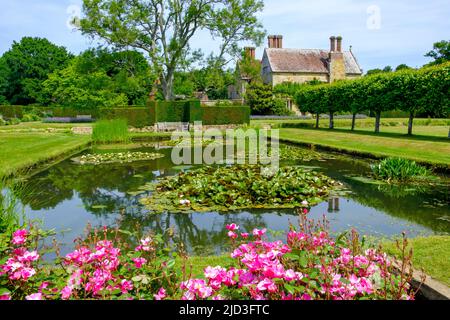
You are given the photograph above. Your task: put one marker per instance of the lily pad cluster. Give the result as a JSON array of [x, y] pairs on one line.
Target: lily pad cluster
[[229, 188], [117, 157], [288, 152]]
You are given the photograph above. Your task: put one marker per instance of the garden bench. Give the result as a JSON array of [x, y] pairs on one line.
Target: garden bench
[[172, 126]]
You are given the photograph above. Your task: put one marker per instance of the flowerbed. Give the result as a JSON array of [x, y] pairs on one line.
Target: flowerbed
[[311, 265], [119, 157], [238, 187]]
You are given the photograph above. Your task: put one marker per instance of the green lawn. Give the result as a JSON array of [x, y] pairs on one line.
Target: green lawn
[[398, 125], [40, 126], [422, 148], [22, 150], [432, 254]]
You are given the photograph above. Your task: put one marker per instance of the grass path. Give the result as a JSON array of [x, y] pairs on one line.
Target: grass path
[[432, 254], [427, 149], [19, 151]]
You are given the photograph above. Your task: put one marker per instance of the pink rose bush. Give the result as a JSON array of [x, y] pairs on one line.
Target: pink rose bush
[[99, 268], [309, 265]]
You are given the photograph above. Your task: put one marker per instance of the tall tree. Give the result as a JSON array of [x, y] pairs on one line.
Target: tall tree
[[164, 28], [28, 64], [402, 67], [440, 52]]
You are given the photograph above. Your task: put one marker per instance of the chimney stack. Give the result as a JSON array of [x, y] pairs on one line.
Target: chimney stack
[[332, 44], [250, 52], [336, 60], [339, 44], [275, 42], [271, 42], [280, 42]]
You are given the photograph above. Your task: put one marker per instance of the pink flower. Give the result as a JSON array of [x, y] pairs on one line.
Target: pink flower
[[66, 293], [290, 275], [161, 294], [20, 237], [259, 233], [5, 296], [232, 235], [232, 227], [245, 235], [267, 284], [126, 286], [29, 256], [139, 262], [34, 296], [25, 273]]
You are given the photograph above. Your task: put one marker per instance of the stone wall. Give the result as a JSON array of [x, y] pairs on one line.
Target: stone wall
[[278, 78], [337, 66]]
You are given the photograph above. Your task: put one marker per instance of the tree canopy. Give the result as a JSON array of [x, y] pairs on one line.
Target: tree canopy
[[26, 65], [163, 29], [100, 78], [440, 52]]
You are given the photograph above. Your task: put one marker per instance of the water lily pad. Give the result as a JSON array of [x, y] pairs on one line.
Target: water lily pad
[[118, 157], [239, 187]]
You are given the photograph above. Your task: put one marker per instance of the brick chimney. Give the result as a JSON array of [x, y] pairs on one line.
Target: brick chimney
[[280, 42], [339, 44], [332, 44], [271, 41], [336, 60], [275, 42], [250, 52]]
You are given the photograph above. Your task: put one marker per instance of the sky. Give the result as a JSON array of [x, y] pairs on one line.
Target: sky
[[381, 32]]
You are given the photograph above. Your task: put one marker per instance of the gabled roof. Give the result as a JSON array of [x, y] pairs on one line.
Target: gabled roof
[[307, 60]]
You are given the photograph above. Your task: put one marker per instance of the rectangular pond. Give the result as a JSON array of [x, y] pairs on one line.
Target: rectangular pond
[[68, 196]]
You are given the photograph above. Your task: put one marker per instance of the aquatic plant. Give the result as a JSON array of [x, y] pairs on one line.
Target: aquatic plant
[[11, 209], [110, 131], [398, 170], [239, 187], [288, 152], [118, 157]]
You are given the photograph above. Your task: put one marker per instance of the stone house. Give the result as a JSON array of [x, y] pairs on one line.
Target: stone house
[[302, 65]]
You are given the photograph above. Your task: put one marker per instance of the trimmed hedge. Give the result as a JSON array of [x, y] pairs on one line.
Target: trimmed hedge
[[10, 112], [141, 116], [226, 115], [412, 91]]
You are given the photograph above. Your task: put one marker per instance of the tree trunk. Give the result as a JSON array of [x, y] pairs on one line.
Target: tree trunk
[[331, 120], [317, 120], [353, 121], [167, 86], [410, 123], [377, 121]]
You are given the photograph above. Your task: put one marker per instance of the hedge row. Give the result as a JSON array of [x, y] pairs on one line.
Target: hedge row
[[176, 111], [412, 91], [225, 115]]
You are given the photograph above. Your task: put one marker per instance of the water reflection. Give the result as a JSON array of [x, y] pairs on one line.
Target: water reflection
[[68, 196]]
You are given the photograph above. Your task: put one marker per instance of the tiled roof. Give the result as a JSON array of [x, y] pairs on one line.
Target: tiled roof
[[307, 60]]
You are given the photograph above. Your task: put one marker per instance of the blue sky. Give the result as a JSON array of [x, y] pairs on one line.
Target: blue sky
[[381, 32]]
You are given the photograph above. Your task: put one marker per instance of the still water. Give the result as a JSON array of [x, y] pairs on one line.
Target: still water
[[67, 196]]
